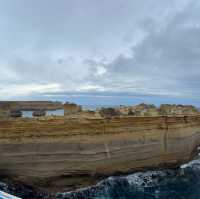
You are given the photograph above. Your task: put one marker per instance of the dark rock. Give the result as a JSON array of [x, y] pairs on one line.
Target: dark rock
[[15, 113], [131, 113], [71, 108], [109, 112], [39, 113]]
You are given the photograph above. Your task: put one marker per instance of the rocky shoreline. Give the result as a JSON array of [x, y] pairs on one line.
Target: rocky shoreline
[[157, 183]]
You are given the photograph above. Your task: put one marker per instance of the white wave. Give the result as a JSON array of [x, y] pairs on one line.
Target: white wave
[[194, 164], [4, 195], [143, 179]]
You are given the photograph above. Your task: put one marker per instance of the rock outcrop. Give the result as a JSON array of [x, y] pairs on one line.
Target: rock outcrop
[[61, 153], [168, 109], [39, 113], [15, 113], [109, 112], [71, 109], [30, 105], [4, 114], [139, 110]]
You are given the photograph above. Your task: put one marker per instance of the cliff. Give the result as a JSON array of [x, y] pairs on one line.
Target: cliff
[[152, 110], [30, 105], [173, 109], [62, 153], [139, 110], [71, 108]]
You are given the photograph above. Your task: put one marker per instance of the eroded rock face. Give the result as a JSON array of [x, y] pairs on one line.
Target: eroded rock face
[[4, 114], [64, 154], [109, 112], [15, 113], [139, 110], [71, 109], [164, 110], [39, 113], [168, 109], [30, 105]]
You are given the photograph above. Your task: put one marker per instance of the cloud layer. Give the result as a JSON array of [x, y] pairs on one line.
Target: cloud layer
[[100, 48]]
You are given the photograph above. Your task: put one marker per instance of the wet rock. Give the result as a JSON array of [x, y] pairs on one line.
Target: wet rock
[[15, 113], [109, 112], [39, 113]]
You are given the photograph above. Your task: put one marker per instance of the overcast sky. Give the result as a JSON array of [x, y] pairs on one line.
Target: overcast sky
[[100, 51]]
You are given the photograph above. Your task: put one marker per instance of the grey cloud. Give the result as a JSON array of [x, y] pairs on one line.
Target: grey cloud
[[167, 60], [141, 47]]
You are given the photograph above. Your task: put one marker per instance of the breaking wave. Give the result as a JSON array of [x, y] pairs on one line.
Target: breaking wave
[[182, 183]]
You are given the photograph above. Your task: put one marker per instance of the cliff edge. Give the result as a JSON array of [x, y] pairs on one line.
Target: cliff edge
[[61, 153]]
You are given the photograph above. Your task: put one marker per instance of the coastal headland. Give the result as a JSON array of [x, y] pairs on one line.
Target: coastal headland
[[30, 105], [76, 150]]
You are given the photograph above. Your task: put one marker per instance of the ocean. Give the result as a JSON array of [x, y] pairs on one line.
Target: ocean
[[180, 183]]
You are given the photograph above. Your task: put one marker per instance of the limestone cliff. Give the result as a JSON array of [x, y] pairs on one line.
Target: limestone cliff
[[68, 153]]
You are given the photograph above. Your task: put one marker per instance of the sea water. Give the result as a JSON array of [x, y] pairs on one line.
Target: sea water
[[181, 183], [58, 112]]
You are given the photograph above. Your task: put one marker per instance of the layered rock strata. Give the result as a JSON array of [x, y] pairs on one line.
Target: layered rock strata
[[30, 105], [67, 153]]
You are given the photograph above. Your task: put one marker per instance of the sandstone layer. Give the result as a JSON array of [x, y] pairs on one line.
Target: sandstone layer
[[62, 153], [30, 105]]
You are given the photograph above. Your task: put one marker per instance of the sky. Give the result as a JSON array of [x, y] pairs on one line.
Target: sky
[[100, 51]]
